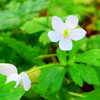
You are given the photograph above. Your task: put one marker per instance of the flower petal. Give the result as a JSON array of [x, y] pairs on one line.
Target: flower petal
[[78, 34], [25, 81], [65, 45], [14, 77], [57, 23], [7, 69], [71, 22], [53, 36]]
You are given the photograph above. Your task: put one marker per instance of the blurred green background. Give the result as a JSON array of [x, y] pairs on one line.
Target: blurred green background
[[24, 25]]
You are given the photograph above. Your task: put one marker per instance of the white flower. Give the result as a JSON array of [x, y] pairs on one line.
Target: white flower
[[12, 75], [65, 32]]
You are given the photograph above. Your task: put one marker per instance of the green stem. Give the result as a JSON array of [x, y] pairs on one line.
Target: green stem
[[38, 68], [76, 94], [44, 56]]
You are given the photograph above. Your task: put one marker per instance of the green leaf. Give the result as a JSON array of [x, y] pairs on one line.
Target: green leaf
[[62, 56], [25, 51], [90, 57], [97, 68], [2, 79], [8, 92], [34, 26], [62, 94], [94, 95], [82, 73], [33, 6], [76, 46], [8, 20], [28, 6], [51, 78], [14, 6], [44, 38], [74, 73]]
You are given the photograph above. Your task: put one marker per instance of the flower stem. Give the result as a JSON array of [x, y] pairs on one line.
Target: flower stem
[[44, 56], [38, 68], [76, 94]]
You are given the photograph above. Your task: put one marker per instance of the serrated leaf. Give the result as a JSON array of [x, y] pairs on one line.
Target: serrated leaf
[[36, 25], [33, 6], [62, 56], [51, 78], [75, 75], [90, 57], [97, 68], [8, 20], [8, 92], [82, 73], [25, 51], [32, 27], [14, 6]]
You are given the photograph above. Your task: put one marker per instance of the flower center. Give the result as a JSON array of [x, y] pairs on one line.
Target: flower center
[[65, 33]]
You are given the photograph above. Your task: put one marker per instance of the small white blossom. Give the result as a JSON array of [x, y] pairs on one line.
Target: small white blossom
[[65, 32], [12, 75]]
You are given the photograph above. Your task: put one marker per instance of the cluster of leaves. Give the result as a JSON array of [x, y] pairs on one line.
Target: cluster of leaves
[[8, 92], [79, 68], [24, 25]]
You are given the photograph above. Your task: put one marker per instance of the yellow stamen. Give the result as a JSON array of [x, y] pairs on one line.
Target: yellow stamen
[[65, 33]]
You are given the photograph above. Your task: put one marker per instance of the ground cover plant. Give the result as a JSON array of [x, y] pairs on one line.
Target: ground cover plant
[[49, 49]]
